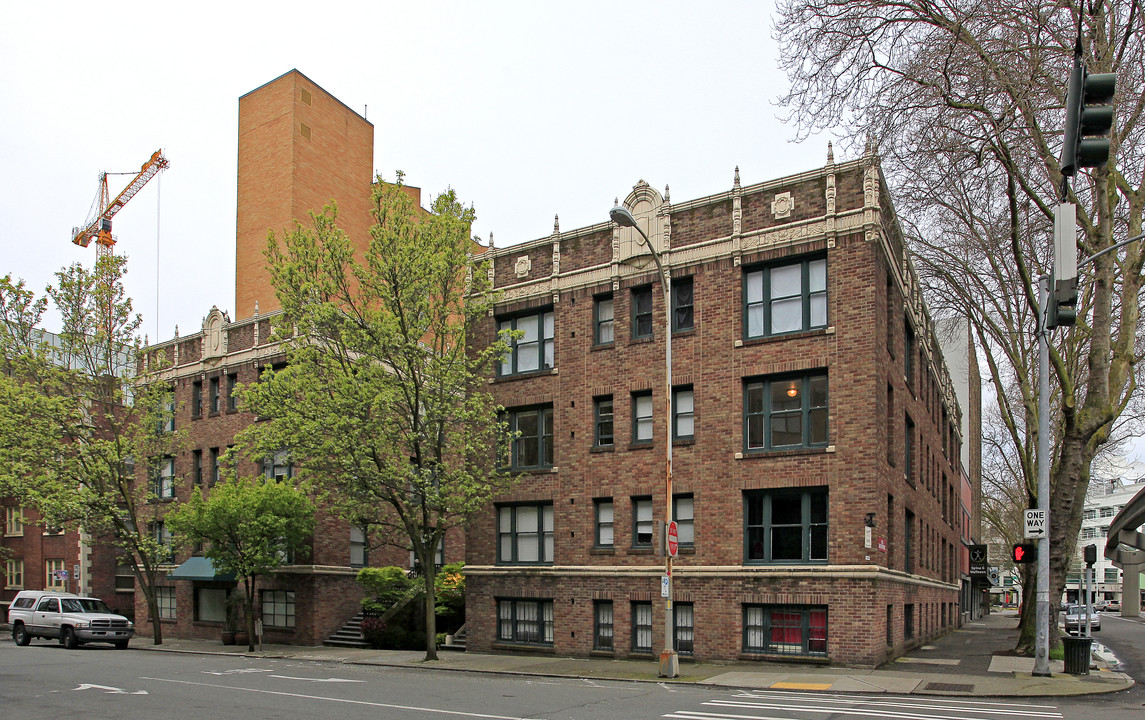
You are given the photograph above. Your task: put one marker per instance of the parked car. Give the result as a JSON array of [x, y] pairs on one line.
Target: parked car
[[1101, 606], [70, 619], [1075, 619], [1113, 606]]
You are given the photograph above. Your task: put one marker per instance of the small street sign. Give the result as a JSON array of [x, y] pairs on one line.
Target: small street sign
[[664, 586], [978, 554], [1035, 524], [881, 545], [673, 539]]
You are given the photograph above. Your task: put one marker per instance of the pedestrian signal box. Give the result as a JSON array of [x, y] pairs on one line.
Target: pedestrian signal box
[[1024, 553]]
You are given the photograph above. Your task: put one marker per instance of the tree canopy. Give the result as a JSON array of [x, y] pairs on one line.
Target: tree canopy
[[965, 103], [78, 421], [382, 401]]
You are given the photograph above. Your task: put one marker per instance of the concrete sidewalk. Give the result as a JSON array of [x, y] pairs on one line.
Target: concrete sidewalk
[[973, 660]]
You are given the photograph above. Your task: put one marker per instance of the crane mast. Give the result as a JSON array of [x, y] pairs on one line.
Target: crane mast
[[99, 227]]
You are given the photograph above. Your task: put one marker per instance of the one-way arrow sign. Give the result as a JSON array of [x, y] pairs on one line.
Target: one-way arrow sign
[[1035, 523]]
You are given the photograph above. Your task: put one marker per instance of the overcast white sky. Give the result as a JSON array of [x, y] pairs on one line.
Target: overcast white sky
[[527, 109]]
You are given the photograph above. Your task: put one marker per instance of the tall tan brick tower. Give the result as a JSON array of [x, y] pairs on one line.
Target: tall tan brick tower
[[299, 147]]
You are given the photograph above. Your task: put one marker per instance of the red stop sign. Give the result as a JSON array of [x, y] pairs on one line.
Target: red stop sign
[[673, 539]]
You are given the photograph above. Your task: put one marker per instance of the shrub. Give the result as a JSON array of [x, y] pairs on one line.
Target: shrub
[[374, 631], [387, 585]]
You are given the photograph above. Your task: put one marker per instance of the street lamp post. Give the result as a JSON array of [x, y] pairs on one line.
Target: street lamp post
[[669, 660]]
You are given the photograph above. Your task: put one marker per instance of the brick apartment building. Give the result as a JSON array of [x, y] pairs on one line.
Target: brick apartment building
[[816, 434], [299, 148]]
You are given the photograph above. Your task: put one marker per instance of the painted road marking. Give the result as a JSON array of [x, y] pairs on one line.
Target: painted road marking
[[329, 680], [110, 690], [344, 701]]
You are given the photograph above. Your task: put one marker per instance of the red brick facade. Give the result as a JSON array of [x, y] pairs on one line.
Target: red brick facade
[[322, 580], [840, 214]]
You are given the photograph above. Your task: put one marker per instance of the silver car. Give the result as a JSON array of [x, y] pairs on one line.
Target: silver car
[[1075, 619]]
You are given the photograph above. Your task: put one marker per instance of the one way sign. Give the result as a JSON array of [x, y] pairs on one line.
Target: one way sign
[[1035, 523]]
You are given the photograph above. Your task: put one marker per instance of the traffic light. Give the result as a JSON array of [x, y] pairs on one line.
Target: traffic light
[[1090, 554], [1088, 118], [1062, 303], [1024, 553]]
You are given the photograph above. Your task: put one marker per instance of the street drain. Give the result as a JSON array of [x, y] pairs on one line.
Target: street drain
[[949, 687]]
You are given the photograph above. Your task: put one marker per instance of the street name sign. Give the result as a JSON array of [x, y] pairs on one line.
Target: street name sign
[[1035, 524]]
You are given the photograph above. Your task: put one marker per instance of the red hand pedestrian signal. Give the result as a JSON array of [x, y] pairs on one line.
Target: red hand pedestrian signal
[[1024, 553]]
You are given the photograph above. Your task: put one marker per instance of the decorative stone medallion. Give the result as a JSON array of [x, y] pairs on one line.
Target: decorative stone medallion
[[523, 266], [782, 204]]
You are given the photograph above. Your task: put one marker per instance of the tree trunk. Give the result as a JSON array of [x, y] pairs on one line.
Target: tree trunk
[[430, 614], [146, 578]]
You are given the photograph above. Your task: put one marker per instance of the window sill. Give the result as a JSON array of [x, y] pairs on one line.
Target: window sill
[[525, 375], [684, 333], [640, 550], [777, 657], [642, 445], [544, 649], [532, 470], [800, 334], [213, 414], [602, 449], [603, 346], [752, 454], [684, 441], [640, 340]]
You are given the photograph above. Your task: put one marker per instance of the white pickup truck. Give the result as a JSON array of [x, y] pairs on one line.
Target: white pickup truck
[[70, 619]]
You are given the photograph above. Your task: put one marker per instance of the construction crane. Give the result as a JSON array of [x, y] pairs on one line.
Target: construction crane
[[98, 227]]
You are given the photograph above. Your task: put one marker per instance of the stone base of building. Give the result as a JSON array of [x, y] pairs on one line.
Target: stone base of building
[[858, 616]]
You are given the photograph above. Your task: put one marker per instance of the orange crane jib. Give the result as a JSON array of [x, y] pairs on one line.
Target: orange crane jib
[[100, 227]]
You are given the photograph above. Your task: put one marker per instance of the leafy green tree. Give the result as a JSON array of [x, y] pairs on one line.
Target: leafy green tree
[[248, 527], [383, 400], [77, 417], [965, 103]]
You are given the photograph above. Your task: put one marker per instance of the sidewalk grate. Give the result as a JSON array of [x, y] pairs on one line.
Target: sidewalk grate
[[949, 687]]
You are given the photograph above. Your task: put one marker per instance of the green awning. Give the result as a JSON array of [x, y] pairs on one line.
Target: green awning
[[199, 568]]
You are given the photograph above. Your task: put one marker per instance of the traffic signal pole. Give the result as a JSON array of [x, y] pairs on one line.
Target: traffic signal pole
[[1042, 639]]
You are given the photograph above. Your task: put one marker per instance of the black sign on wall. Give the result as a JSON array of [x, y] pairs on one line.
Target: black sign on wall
[[978, 561]]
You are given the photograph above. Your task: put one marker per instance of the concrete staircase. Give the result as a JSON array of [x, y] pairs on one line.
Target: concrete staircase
[[349, 635], [458, 642]]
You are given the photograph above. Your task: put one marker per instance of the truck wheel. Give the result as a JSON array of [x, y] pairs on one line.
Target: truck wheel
[[20, 635], [70, 641], [120, 644]]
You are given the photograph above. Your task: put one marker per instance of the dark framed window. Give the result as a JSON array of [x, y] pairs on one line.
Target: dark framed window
[[602, 419], [785, 412], [165, 601], [525, 621], [684, 513], [531, 430], [278, 608], [215, 467], [605, 536], [602, 625], [438, 558], [908, 621], [684, 632], [232, 386], [785, 629], [358, 546], [908, 354], [683, 306], [163, 478], [213, 394], [785, 298], [642, 522], [278, 467], [683, 413], [642, 312], [908, 450], [786, 526], [197, 467], [161, 535], [210, 603], [604, 315], [534, 349], [167, 411], [642, 627], [196, 399], [525, 534], [908, 542], [642, 416]]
